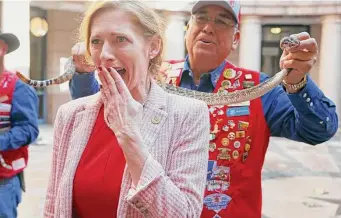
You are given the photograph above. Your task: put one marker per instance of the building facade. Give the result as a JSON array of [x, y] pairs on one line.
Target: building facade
[[46, 42]]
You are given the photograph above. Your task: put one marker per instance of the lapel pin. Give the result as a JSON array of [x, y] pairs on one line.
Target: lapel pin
[[155, 120]]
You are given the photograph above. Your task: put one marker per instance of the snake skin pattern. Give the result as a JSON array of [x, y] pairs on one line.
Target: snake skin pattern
[[210, 98]]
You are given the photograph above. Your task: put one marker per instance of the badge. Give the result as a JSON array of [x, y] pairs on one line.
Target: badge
[[221, 172], [224, 155], [226, 84], [235, 154], [240, 134], [215, 129], [238, 111], [173, 80], [229, 73], [216, 201], [248, 76], [236, 144], [242, 125], [248, 84], [212, 146], [239, 73], [220, 112], [217, 185], [225, 142], [225, 128], [231, 136], [247, 147], [245, 155], [231, 124], [236, 84]]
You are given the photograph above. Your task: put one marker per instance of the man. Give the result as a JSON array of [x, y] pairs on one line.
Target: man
[[18, 128], [297, 110]]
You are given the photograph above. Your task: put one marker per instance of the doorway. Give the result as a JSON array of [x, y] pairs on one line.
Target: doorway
[[38, 46], [271, 52]]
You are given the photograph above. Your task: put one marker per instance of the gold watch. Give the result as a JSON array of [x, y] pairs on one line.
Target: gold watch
[[295, 87]]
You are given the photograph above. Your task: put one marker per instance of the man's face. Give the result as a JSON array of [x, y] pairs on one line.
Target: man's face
[[3, 51], [212, 39]]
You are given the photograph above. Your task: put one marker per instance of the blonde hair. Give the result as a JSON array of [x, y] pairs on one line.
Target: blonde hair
[[144, 16]]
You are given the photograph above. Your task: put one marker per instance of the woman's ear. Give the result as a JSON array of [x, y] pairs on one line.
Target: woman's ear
[[155, 46]]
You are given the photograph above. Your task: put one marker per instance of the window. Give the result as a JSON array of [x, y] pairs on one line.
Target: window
[[271, 52]]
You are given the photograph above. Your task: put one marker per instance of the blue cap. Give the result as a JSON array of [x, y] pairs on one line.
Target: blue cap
[[230, 5]]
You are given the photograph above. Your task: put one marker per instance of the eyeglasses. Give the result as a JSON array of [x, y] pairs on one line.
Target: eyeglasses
[[219, 22]]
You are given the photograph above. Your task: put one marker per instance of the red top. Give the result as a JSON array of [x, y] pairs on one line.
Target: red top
[[97, 182]]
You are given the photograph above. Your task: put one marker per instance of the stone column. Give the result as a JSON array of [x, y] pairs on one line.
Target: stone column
[[174, 47], [250, 43], [329, 58], [15, 18]]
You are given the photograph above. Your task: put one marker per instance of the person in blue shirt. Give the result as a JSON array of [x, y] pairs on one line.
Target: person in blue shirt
[[18, 128]]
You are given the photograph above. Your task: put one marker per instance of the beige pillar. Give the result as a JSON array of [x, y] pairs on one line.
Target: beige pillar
[[330, 56], [174, 37], [15, 18], [250, 43]]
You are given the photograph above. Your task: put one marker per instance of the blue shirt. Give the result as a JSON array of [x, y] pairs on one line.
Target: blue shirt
[[24, 118], [307, 116]]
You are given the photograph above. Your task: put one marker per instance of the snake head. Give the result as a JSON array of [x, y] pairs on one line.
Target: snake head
[[289, 42]]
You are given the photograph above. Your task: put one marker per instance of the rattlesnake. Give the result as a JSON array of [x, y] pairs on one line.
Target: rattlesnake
[[235, 97]]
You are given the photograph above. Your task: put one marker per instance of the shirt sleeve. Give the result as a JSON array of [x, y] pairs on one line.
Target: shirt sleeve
[[24, 118], [307, 116], [83, 84]]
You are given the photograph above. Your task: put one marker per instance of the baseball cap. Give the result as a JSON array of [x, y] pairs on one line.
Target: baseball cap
[[230, 5], [11, 40]]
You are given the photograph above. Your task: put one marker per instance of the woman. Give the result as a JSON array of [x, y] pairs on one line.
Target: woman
[[131, 150]]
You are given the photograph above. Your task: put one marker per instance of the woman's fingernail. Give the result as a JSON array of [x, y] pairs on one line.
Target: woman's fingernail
[[109, 70]]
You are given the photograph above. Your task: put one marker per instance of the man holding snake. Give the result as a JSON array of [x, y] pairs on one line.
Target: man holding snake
[[297, 109]]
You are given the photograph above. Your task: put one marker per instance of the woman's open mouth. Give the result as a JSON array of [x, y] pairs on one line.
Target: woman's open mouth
[[120, 70]]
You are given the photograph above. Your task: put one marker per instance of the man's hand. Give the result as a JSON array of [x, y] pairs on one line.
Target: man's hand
[[78, 53], [301, 59]]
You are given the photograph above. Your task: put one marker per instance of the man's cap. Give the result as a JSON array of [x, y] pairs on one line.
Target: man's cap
[[11, 40], [230, 5]]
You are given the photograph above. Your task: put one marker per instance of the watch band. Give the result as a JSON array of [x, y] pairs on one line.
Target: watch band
[[295, 87]]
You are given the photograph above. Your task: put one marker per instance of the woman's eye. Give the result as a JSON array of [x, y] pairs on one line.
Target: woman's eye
[[95, 41], [121, 39]]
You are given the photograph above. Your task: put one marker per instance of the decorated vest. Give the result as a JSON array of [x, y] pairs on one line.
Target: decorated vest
[[12, 162], [239, 138]]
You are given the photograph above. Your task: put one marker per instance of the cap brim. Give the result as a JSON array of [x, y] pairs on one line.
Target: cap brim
[[223, 4], [11, 40]]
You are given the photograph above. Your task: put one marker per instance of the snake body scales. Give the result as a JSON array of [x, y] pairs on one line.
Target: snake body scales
[[220, 98]]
